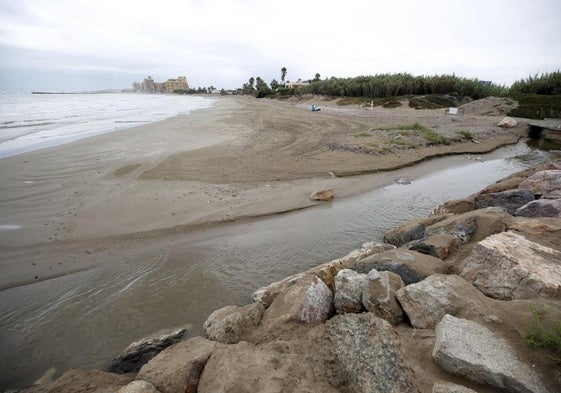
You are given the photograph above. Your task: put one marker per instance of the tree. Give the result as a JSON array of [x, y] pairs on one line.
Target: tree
[[251, 82], [283, 74], [317, 77], [274, 84], [260, 83]]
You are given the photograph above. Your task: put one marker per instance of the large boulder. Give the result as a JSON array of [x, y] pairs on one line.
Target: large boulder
[[326, 272], [139, 352], [412, 230], [456, 206], [229, 323], [439, 245], [308, 301], [138, 387], [179, 367], [543, 182], [449, 387], [379, 295], [509, 266], [470, 350], [509, 200], [426, 302], [411, 266], [541, 208], [472, 226], [348, 291], [270, 367], [365, 355]]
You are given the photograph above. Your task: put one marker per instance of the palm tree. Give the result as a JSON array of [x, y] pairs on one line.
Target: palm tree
[[283, 74], [317, 77]]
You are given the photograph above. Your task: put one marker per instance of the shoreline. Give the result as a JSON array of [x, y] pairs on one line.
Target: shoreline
[[202, 170]]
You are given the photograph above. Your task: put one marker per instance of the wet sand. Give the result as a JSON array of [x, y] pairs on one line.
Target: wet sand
[[63, 209]]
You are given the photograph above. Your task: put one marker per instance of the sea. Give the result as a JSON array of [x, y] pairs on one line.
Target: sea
[[30, 122]]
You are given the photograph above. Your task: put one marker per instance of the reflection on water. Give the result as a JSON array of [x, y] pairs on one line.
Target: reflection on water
[[84, 319]]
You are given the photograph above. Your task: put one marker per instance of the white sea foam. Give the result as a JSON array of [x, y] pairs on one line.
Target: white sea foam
[[9, 227], [34, 121]]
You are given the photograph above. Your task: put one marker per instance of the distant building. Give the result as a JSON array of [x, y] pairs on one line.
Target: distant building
[[169, 86], [294, 85], [177, 84]]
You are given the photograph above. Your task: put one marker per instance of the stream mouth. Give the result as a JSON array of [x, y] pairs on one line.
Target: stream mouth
[[84, 319]]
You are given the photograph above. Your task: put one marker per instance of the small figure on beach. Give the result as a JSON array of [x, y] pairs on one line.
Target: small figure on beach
[[314, 109]]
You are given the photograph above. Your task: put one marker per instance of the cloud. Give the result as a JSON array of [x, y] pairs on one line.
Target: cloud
[[224, 43]]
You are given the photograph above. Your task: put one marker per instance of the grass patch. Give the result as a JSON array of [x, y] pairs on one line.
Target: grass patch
[[540, 336], [536, 106], [362, 134], [401, 142], [465, 134], [404, 127], [435, 138]]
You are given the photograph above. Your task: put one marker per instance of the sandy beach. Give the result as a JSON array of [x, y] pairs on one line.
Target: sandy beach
[[241, 158]]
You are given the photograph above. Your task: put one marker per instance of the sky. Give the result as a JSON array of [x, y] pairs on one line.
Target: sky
[[77, 45]]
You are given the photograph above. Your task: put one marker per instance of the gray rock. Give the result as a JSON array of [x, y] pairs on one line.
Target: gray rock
[[365, 355], [379, 295], [138, 387], [228, 324], [449, 387], [439, 246], [412, 230], [472, 351], [508, 266], [411, 266], [509, 200], [541, 208], [348, 291], [308, 301], [426, 302], [179, 367], [139, 352], [543, 182]]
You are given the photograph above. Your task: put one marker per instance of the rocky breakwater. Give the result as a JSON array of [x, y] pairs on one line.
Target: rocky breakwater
[[449, 303]]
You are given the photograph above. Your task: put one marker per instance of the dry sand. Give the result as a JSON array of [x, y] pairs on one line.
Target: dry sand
[[241, 158]]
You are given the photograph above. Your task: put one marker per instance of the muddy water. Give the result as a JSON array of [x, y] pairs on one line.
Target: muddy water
[[84, 319]]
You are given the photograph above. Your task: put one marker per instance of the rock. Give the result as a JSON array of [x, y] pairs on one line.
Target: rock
[[471, 226], [326, 272], [77, 380], [508, 122], [411, 266], [534, 226], [543, 182], [439, 246], [308, 301], [379, 295], [365, 355], [541, 208], [472, 351], [403, 181], [508, 266], [179, 367], [269, 367], [139, 352], [348, 291], [228, 324], [413, 230], [138, 387], [426, 302], [449, 387], [555, 194], [509, 200], [456, 206], [322, 195]]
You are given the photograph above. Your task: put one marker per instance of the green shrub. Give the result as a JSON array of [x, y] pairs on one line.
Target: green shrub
[[540, 336], [403, 127], [465, 134], [435, 138], [536, 106]]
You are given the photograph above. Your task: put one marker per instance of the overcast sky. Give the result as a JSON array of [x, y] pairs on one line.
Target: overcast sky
[[94, 44]]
